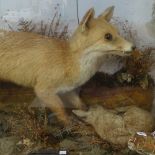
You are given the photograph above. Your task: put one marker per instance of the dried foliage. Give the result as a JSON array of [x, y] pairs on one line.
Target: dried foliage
[[135, 73], [34, 132], [26, 125], [136, 69], [9, 26], [127, 29], [25, 26], [55, 28], [139, 63]]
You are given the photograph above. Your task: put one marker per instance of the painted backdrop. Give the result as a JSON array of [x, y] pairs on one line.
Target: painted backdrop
[[140, 13]]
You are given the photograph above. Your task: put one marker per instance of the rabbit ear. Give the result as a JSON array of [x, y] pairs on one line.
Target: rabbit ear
[[80, 113], [107, 14], [87, 18]]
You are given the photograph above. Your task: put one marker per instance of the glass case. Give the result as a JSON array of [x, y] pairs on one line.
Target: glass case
[[77, 77]]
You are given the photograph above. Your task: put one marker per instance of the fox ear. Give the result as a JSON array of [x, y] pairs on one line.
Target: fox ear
[[87, 18], [107, 14]]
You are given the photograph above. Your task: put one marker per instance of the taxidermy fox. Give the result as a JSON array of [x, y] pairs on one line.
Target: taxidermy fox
[[53, 66]]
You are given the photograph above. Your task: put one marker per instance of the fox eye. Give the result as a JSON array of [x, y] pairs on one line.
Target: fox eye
[[108, 36]]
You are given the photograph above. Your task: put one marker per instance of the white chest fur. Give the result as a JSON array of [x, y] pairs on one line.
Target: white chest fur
[[89, 65]]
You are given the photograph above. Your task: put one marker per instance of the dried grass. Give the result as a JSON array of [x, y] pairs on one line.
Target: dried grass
[[25, 26], [55, 28], [127, 29], [26, 125]]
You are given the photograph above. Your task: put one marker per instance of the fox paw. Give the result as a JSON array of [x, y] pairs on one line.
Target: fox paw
[[82, 107]]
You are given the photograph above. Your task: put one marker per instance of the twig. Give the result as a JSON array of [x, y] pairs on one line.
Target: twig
[[77, 11], [51, 24], [10, 27], [57, 25]]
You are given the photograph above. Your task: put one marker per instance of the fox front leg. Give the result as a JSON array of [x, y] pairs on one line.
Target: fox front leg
[[53, 102], [74, 98]]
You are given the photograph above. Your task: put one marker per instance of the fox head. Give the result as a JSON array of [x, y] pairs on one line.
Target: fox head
[[97, 35]]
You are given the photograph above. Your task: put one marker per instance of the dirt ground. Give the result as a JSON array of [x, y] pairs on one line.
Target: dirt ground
[[24, 130]]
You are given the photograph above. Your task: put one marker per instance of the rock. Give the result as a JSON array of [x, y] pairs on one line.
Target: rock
[[143, 143], [75, 147], [77, 144], [7, 145], [69, 145], [116, 97], [47, 151], [4, 126], [94, 151], [116, 126]]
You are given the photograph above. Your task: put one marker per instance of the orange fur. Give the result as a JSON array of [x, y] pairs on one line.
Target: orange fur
[[53, 66]]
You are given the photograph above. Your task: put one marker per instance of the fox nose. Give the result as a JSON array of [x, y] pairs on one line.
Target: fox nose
[[133, 47]]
